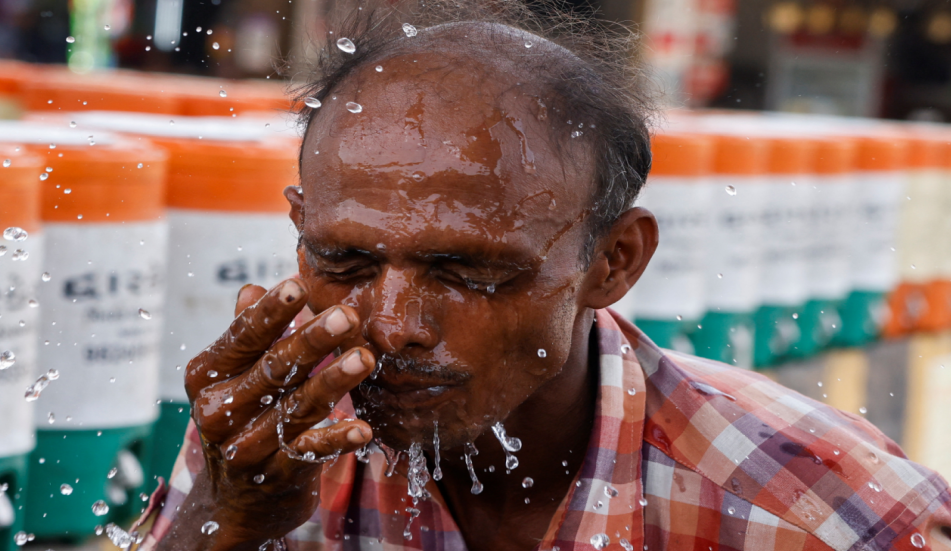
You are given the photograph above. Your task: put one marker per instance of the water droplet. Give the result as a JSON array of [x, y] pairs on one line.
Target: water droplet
[[14, 233], [346, 45], [212, 373], [33, 391], [354, 107], [231, 452], [7, 359], [51, 418], [719, 276], [642, 501], [222, 93], [510, 445], [209, 527], [107, 27], [527, 482], [863, 410], [632, 391], [65, 489], [119, 537], [7, 163], [730, 190], [379, 68], [20, 538], [542, 353], [20, 254], [267, 399], [795, 316], [100, 508], [70, 39], [528, 44], [610, 491], [312, 102], [112, 472], [471, 451], [144, 314], [731, 510], [215, 45], [873, 484], [408, 29], [46, 276], [576, 133], [437, 468], [918, 540], [140, 165], [258, 478], [626, 545], [600, 541]]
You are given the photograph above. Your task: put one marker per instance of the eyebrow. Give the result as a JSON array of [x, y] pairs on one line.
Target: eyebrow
[[468, 259]]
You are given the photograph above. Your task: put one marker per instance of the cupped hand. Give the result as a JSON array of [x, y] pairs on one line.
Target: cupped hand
[[256, 407]]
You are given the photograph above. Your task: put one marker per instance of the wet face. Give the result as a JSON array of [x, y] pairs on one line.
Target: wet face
[[443, 215]]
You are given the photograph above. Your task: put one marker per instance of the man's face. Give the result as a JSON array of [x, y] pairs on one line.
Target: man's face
[[443, 215]]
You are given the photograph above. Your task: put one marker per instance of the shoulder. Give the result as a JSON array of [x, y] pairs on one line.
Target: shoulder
[[826, 472]]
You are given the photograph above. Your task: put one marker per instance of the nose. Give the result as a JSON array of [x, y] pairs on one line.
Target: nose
[[398, 320]]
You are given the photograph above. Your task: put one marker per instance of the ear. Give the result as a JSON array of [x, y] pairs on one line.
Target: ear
[[620, 258], [295, 196]]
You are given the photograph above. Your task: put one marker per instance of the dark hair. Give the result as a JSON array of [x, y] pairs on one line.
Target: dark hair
[[586, 67]]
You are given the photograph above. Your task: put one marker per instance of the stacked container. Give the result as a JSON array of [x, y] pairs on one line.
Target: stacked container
[[670, 293], [734, 245], [938, 290], [21, 250], [918, 263], [881, 173], [228, 227], [782, 285], [105, 249], [830, 232]]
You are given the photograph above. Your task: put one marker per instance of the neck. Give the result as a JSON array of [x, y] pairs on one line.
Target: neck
[[555, 426]]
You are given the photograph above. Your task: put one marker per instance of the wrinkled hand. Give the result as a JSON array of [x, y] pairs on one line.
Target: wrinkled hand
[[255, 408]]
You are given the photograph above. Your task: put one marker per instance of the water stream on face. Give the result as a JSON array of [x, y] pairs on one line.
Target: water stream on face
[[437, 470], [509, 443], [471, 451]]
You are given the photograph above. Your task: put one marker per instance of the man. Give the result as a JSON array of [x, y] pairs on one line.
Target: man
[[465, 220]]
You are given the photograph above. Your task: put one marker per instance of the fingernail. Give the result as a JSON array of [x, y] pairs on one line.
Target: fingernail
[[290, 291], [355, 436], [337, 322], [243, 287], [353, 364]]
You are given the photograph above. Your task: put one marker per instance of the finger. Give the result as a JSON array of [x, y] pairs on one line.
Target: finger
[[314, 400], [250, 334], [328, 442], [285, 365], [248, 295]]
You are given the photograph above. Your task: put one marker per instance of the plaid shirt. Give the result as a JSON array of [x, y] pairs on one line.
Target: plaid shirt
[[697, 454]]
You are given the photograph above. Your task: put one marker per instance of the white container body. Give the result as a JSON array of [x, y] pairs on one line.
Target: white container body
[[106, 351], [211, 256], [919, 259], [874, 262], [732, 270], [831, 231], [785, 223], [19, 283], [673, 283]]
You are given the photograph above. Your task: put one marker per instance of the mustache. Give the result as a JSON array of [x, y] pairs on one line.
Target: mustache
[[412, 367]]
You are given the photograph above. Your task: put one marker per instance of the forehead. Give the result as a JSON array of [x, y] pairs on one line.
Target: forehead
[[440, 143]]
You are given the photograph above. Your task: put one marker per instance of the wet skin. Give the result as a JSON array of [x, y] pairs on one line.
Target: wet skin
[[441, 232]]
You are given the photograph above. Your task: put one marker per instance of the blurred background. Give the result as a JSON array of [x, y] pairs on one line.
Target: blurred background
[[801, 180]]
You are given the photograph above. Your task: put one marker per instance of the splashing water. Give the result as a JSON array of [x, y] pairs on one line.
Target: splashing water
[[33, 391], [14, 233], [437, 470], [409, 30], [392, 456], [413, 513], [418, 474], [100, 508], [209, 527], [346, 45], [308, 457], [471, 451], [509, 443], [119, 537], [7, 359]]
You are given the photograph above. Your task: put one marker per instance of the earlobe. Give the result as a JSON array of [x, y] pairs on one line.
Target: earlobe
[[622, 257], [295, 197]]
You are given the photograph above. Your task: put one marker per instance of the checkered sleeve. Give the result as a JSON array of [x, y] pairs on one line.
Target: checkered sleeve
[[166, 501]]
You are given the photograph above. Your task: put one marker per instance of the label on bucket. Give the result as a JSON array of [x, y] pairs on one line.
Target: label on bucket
[[785, 216], [673, 283], [829, 237], [874, 262], [211, 256], [19, 325], [102, 317]]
